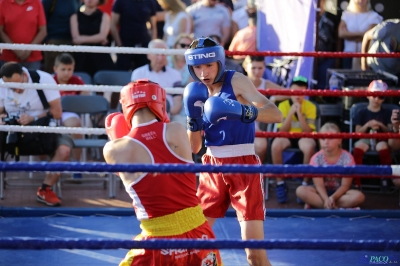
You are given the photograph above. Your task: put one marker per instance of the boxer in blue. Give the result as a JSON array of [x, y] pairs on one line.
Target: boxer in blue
[[224, 104]]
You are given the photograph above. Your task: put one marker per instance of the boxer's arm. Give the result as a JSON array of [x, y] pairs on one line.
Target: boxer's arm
[[196, 141], [178, 140], [246, 93]]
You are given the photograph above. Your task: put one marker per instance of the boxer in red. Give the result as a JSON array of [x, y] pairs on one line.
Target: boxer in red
[[165, 203]]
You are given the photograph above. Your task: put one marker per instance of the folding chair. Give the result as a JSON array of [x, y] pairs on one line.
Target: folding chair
[[373, 155], [112, 77], [95, 106], [87, 78]]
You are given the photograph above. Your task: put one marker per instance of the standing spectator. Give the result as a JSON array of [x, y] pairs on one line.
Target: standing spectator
[[373, 118], [210, 19], [90, 26], [299, 116], [129, 15], [22, 21], [230, 64], [234, 26], [58, 14], [356, 20], [330, 192], [27, 105], [245, 40], [176, 20], [158, 71]]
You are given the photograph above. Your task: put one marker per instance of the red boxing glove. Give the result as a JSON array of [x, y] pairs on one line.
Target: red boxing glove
[[116, 126]]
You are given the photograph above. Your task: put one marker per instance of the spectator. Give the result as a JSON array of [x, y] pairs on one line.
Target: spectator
[[230, 64], [255, 67], [126, 16], [178, 62], [22, 21], [299, 116], [58, 14], [245, 39], [90, 26], [394, 144], [241, 14], [176, 20], [210, 19], [356, 20], [383, 38], [27, 105], [373, 118], [64, 70], [234, 26], [330, 192], [158, 71]]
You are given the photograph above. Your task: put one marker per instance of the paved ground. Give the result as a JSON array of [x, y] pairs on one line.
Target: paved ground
[[96, 195]]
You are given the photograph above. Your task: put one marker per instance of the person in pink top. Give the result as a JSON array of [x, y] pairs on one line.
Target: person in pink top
[[331, 193]]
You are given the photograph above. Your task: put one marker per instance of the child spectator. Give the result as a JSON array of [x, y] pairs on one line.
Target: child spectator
[[373, 118], [330, 192], [255, 67], [64, 68], [299, 116]]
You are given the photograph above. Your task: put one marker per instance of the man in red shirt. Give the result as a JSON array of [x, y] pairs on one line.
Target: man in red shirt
[[22, 21], [165, 203]]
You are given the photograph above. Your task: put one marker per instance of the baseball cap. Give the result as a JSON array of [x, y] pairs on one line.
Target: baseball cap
[[377, 85]]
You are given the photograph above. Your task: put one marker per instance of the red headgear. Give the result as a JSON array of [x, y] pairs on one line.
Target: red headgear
[[143, 93]]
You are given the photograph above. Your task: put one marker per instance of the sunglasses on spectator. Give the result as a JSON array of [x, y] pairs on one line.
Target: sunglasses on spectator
[[301, 79], [184, 45]]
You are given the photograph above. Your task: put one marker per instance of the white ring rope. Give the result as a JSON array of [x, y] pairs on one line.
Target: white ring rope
[[63, 87], [91, 49], [61, 130]]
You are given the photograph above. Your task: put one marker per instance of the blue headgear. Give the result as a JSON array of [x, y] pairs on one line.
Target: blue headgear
[[204, 55]]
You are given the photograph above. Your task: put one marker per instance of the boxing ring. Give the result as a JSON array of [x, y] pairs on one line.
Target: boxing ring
[[80, 236]]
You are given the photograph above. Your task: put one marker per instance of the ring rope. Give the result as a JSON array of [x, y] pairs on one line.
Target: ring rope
[[102, 131], [327, 92], [365, 170], [136, 50], [309, 244]]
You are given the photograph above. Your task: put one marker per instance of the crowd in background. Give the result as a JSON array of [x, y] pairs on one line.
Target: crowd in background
[[175, 24]]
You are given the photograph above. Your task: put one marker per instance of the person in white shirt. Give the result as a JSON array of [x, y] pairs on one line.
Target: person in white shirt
[[177, 21], [159, 72], [357, 19], [27, 106]]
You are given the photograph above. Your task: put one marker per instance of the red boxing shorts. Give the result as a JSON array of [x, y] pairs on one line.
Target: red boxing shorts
[[175, 257], [244, 191]]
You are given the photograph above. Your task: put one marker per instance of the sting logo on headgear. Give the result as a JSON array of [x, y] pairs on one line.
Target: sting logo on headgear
[[143, 93], [200, 56]]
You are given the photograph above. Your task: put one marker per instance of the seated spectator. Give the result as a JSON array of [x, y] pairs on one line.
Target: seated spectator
[[383, 38], [394, 144], [64, 69], [299, 115], [27, 105], [254, 66], [230, 64], [158, 71], [58, 14], [373, 118], [329, 192], [210, 18], [245, 40], [90, 26], [177, 21], [24, 22]]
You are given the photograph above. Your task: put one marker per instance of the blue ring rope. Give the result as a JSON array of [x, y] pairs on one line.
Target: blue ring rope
[[194, 168], [309, 244]]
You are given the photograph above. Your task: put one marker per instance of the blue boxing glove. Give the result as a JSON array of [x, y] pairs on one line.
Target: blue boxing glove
[[216, 109], [194, 96]]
